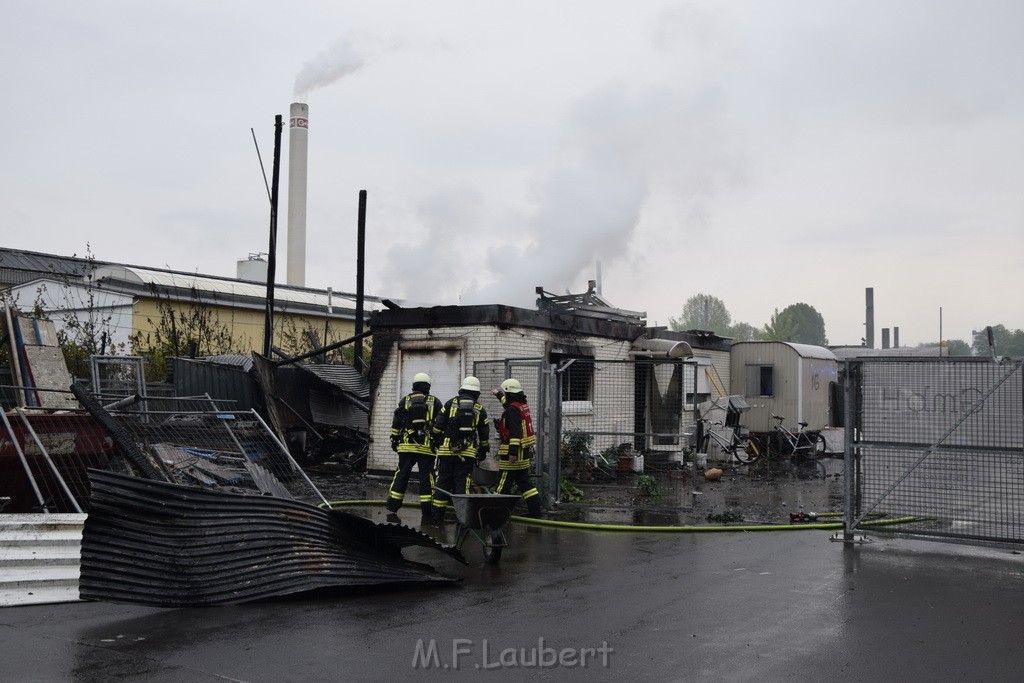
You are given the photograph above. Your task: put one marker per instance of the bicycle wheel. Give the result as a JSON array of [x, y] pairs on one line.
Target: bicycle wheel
[[748, 450], [772, 446], [809, 446]]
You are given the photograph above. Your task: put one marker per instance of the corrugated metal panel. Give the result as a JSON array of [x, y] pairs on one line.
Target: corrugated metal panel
[[32, 265], [220, 381], [327, 409], [242, 361], [344, 377], [153, 543]]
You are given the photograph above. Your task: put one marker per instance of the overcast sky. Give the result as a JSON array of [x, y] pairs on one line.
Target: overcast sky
[[766, 153]]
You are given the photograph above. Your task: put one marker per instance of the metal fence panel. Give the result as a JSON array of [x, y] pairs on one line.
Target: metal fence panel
[[596, 419], [940, 441]]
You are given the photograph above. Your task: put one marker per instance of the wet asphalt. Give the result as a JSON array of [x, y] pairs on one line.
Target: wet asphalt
[[577, 605]]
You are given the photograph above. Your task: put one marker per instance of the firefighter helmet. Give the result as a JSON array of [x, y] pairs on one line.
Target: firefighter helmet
[[512, 386], [470, 384], [421, 377]]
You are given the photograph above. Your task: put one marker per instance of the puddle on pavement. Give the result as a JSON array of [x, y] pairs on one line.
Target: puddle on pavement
[[761, 494]]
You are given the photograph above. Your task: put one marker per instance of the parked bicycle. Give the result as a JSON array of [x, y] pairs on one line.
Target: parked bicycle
[[780, 440], [743, 448]]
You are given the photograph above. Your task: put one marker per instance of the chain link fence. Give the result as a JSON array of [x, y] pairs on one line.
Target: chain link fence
[[190, 441], [601, 421], [939, 442]]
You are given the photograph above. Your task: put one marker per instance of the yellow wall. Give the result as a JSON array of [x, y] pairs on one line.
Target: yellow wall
[[245, 326]]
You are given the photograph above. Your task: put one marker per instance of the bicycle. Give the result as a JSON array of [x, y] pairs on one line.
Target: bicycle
[[743, 448], [810, 445]]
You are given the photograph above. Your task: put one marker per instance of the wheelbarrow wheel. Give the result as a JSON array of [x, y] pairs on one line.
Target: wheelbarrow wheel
[[494, 546]]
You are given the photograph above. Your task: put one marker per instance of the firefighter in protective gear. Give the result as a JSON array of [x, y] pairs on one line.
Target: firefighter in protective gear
[[412, 438], [463, 437], [518, 444]]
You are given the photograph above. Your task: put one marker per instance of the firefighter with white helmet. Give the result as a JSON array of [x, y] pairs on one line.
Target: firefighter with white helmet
[[517, 446], [412, 438], [463, 437]]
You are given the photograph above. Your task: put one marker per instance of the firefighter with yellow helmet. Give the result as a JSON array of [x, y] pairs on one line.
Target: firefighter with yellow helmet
[[463, 437], [412, 438], [518, 445]]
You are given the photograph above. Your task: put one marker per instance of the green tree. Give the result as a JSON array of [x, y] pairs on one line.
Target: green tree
[[744, 332], [181, 329], [703, 312], [800, 323], [957, 347], [1006, 342]]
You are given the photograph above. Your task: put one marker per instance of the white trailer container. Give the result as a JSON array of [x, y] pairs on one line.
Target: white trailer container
[[786, 379]]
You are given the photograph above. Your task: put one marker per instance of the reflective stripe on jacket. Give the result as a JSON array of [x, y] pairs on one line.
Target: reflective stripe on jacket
[[447, 416], [517, 436], [408, 440]]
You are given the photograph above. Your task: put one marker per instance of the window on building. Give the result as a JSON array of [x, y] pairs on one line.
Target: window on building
[[697, 382], [760, 380], [577, 384]]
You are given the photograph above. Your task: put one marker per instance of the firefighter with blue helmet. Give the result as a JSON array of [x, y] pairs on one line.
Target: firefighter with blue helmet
[[413, 439], [517, 446], [463, 437]]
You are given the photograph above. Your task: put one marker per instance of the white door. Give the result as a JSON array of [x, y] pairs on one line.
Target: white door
[[444, 366]]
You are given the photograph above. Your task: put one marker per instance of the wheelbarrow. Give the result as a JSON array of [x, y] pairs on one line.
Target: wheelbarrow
[[482, 516]]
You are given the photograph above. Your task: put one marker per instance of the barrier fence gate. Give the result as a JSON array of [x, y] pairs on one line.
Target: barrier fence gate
[[937, 443], [534, 374], [601, 420]]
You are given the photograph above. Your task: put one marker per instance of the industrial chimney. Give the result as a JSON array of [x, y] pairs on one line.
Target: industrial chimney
[[298, 147], [869, 323]]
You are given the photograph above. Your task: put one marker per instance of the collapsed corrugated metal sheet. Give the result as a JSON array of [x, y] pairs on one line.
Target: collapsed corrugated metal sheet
[[153, 543], [345, 377], [238, 360], [326, 409]]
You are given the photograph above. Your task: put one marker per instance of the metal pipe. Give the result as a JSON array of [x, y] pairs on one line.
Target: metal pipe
[[357, 362], [49, 461], [295, 465], [268, 321], [24, 462], [15, 356], [124, 402], [322, 349]]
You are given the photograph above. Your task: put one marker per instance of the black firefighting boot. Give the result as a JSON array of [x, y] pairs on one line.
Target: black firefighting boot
[[436, 515]]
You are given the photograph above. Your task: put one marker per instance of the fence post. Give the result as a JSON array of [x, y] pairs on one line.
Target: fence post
[[552, 438], [848, 465]]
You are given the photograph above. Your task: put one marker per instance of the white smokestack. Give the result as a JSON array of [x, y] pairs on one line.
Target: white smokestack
[[298, 154]]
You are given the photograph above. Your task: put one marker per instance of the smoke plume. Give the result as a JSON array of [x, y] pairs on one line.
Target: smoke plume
[[339, 60]]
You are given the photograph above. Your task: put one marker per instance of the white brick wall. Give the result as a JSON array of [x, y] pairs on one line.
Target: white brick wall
[[481, 343], [613, 410]]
